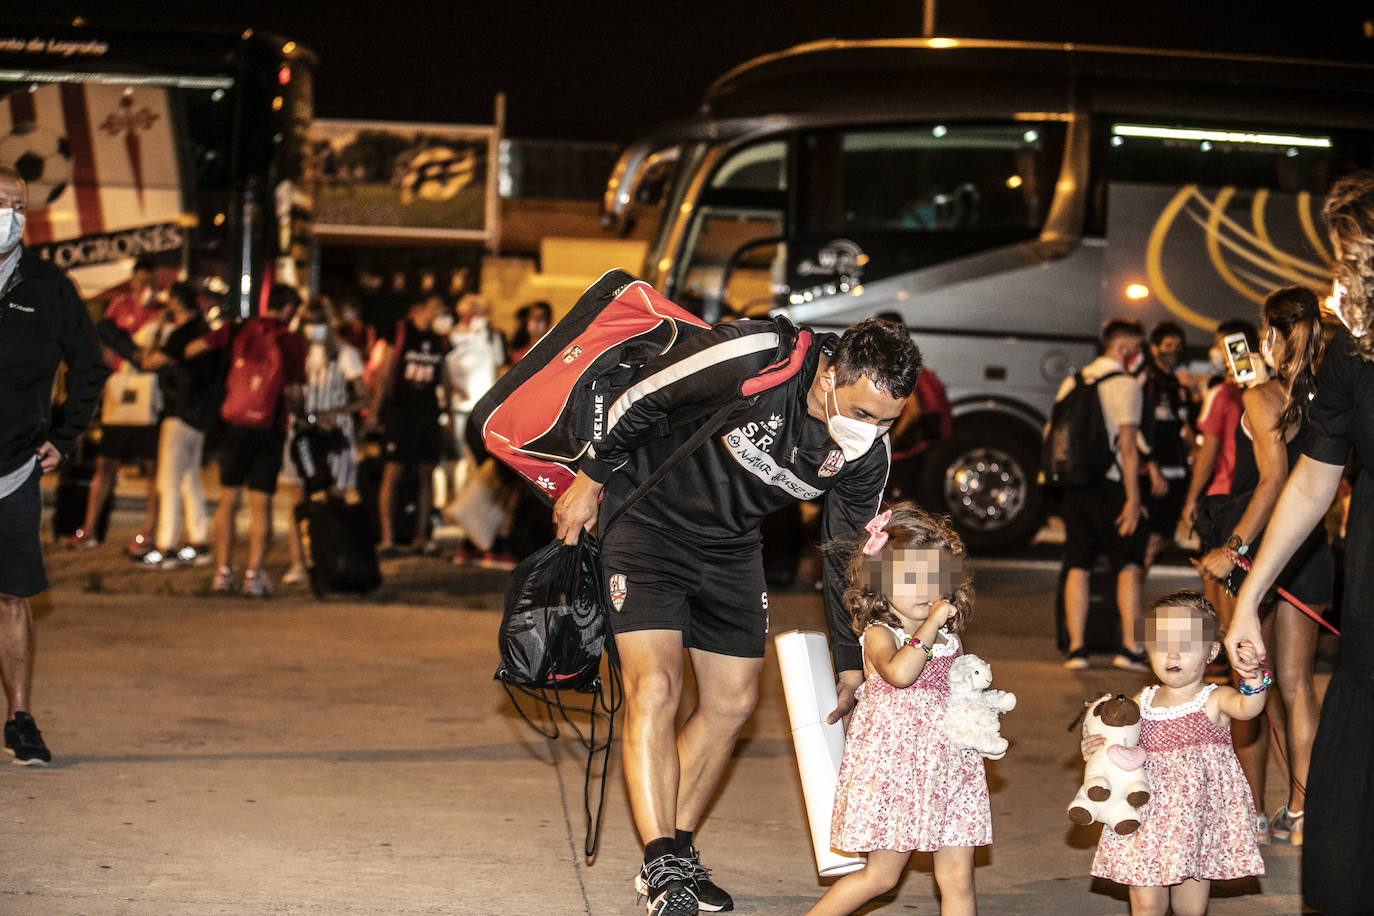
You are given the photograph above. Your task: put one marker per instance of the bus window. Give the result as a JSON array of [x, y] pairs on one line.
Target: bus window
[[734, 238], [916, 195]]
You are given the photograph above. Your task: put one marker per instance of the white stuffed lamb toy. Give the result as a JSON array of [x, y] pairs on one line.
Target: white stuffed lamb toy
[[973, 710]]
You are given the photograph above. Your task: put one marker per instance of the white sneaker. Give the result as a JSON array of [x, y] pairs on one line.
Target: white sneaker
[[1262, 828], [256, 584], [296, 575]]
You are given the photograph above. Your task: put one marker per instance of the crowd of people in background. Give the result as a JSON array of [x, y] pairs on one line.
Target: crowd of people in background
[[1208, 453], [388, 407]]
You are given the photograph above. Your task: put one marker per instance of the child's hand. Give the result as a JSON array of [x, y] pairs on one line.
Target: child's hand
[[1247, 655], [1091, 744], [942, 611]]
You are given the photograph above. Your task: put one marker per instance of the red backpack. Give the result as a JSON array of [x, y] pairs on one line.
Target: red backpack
[[256, 376]]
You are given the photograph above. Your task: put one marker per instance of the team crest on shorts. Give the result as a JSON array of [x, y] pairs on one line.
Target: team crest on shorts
[[833, 462], [618, 590]]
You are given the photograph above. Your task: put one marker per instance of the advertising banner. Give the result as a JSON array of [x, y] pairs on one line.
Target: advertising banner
[[387, 181], [102, 166]]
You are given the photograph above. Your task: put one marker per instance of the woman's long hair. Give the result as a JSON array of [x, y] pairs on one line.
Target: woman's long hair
[[1349, 213], [1295, 313]]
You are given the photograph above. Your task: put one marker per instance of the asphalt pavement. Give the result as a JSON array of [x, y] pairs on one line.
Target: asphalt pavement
[[223, 755]]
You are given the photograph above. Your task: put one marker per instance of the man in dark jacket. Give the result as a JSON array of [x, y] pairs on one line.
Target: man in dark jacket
[[42, 322], [685, 568]]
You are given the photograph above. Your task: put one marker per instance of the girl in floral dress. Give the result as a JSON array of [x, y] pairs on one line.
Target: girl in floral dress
[[1199, 824], [902, 785]]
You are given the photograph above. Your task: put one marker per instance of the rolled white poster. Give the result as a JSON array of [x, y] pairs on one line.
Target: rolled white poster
[[808, 684]]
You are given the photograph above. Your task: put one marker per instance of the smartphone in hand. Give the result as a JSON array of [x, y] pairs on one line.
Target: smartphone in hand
[[1238, 356]]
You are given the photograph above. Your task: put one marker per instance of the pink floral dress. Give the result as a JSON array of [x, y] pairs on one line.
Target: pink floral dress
[[902, 785], [1200, 819]]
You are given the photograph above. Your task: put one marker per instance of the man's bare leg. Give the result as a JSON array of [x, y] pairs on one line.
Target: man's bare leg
[[16, 652], [651, 666], [259, 528], [727, 691]]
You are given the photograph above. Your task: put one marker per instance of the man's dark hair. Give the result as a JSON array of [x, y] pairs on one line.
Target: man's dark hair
[[282, 298], [1238, 326], [1164, 330], [184, 293], [881, 350], [1118, 328], [145, 263]]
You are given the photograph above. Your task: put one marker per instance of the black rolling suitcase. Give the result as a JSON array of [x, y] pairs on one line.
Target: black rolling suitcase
[[338, 552]]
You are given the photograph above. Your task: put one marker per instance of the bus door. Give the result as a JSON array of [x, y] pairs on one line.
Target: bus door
[[732, 258]]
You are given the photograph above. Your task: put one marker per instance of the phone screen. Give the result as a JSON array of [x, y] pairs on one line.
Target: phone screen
[[1238, 355]]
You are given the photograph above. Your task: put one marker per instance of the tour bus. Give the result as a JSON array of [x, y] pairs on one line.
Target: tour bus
[[184, 147], [1005, 199]]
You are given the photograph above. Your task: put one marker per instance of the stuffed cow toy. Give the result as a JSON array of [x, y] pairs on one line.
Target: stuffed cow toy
[[973, 710], [1115, 785]]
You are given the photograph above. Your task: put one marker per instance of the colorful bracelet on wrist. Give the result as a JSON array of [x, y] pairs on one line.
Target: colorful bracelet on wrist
[[913, 641], [1247, 690]]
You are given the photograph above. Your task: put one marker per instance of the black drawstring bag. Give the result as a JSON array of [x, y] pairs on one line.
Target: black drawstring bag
[[554, 628], [553, 635]]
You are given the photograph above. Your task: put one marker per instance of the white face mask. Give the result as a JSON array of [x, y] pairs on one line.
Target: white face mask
[[317, 333], [854, 437], [1267, 349], [11, 229], [1337, 305]]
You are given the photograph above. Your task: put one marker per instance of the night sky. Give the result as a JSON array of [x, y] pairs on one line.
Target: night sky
[[609, 70]]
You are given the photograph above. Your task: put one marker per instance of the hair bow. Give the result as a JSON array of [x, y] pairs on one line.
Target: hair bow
[[877, 537]]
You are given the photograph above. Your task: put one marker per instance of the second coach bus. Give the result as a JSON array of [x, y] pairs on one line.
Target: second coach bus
[[1004, 198]]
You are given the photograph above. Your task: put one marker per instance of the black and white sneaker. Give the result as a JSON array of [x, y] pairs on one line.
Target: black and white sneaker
[[24, 741], [666, 884], [710, 897]]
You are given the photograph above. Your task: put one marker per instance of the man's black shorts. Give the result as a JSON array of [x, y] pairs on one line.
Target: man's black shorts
[[415, 439], [1090, 528], [714, 594], [251, 457], [21, 561], [127, 444], [1166, 510]]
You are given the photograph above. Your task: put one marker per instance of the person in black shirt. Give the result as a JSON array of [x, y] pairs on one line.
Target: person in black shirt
[[189, 411], [684, 566], [410, 411], [43, 322], [1167, 426]]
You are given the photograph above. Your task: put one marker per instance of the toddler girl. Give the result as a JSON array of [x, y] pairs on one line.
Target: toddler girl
[[902, 786], [1199, 824]]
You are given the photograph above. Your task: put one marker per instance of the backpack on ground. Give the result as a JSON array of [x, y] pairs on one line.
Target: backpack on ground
[[339, 555], [256, 376], [1076, 451]]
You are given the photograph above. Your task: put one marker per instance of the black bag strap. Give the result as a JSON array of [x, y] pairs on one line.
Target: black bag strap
[[703, 432], [782, 370]]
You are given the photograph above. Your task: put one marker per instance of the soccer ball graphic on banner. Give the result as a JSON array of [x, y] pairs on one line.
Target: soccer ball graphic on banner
[[437, 173], [42, 158]]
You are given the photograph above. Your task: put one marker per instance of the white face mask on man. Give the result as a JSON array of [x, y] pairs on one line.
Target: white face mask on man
[[854, 437], [11, 229]]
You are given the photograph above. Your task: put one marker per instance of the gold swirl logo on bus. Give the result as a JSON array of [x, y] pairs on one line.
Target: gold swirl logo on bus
[[1245, 258]]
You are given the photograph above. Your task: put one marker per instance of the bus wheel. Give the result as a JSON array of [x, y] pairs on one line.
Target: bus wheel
[[984, 477]]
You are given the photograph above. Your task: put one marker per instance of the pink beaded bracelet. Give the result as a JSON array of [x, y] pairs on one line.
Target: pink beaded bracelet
[[913, 641]]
